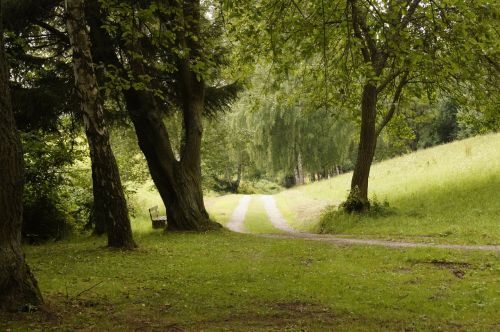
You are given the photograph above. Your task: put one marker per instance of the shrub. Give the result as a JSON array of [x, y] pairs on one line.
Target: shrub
[[335, 219], [44, 219]]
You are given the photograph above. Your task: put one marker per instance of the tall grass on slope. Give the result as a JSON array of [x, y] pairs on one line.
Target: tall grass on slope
[[449, 193]]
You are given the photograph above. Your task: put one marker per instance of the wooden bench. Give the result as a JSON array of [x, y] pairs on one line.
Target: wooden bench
[[157, 220]]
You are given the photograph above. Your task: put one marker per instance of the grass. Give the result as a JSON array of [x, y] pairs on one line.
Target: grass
[[256, 219], [444, 194], [221, 209], [224, 281], [221, 281]]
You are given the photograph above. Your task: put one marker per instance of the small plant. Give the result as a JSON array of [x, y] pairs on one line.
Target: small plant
[[373, 207], [334, 220], [379, 209]]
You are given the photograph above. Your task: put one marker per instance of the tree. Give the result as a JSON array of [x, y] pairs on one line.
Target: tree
[[18, 286], [371, 51], [150, 90], [408, 43], [288, 136], [109, 200]]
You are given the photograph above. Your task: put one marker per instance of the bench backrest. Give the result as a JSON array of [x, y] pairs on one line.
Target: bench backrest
[[153, 212]]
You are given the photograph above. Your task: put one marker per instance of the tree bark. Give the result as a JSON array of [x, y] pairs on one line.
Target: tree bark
[[179, 186], [300, 170], [110, 206], [366, 149], [18, 286], [239, 171], [178, 181]]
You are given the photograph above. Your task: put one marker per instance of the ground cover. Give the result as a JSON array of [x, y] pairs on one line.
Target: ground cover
[[446, 194], [223, 280], [256, 219]]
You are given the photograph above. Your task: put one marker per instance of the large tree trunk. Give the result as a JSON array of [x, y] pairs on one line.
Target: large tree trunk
[[178, 181], [358, 196], [18, 286], [110, 205]]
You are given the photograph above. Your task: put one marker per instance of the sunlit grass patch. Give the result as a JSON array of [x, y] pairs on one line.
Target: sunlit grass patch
[[447, 193], [221, 208]]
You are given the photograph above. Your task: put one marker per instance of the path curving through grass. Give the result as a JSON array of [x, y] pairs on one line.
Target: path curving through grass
[[237, 220]]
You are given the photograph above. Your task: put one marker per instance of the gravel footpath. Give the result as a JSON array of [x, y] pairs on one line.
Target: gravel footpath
[[383, 243], [276, 218], [238, 217]]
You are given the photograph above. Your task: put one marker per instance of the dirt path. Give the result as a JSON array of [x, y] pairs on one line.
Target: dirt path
[[238, 217], [277, 219], [275, 215], [388, 244]]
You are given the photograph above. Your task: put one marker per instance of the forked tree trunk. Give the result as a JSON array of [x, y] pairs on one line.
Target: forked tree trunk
[[366, 149], [18, 286], [179, 185], [109, 200], [178, 181]]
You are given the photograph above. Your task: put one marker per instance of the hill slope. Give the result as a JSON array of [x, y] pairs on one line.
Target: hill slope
[[449, 193]]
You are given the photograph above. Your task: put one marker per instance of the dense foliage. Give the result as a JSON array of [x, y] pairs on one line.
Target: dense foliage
[[299, 67]]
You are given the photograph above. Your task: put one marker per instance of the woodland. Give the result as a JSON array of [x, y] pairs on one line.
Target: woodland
[[320, 165]]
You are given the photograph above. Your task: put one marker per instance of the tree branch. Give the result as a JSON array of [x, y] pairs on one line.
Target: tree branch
[[357, 30], [411, 10], [59, 34], [388, 80], [395, 100]]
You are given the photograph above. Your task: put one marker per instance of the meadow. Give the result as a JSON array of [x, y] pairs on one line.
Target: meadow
[[446, 194], [224, 281]]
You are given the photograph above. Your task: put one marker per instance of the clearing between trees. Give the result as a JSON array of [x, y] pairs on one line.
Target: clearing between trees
[[456, 204], [216, 280]]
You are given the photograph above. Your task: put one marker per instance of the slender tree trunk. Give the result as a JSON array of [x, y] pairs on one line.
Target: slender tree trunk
[[109, 200], [366, 149], [414, 142], [239, 170], [300, 170], [296, 174], [18, 286]]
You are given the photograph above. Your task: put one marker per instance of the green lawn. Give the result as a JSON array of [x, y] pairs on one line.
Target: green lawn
[[222, 209], [446, 194], [224, 281]]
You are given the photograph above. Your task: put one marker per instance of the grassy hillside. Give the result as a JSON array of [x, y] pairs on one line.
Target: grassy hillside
[[449, 193]]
